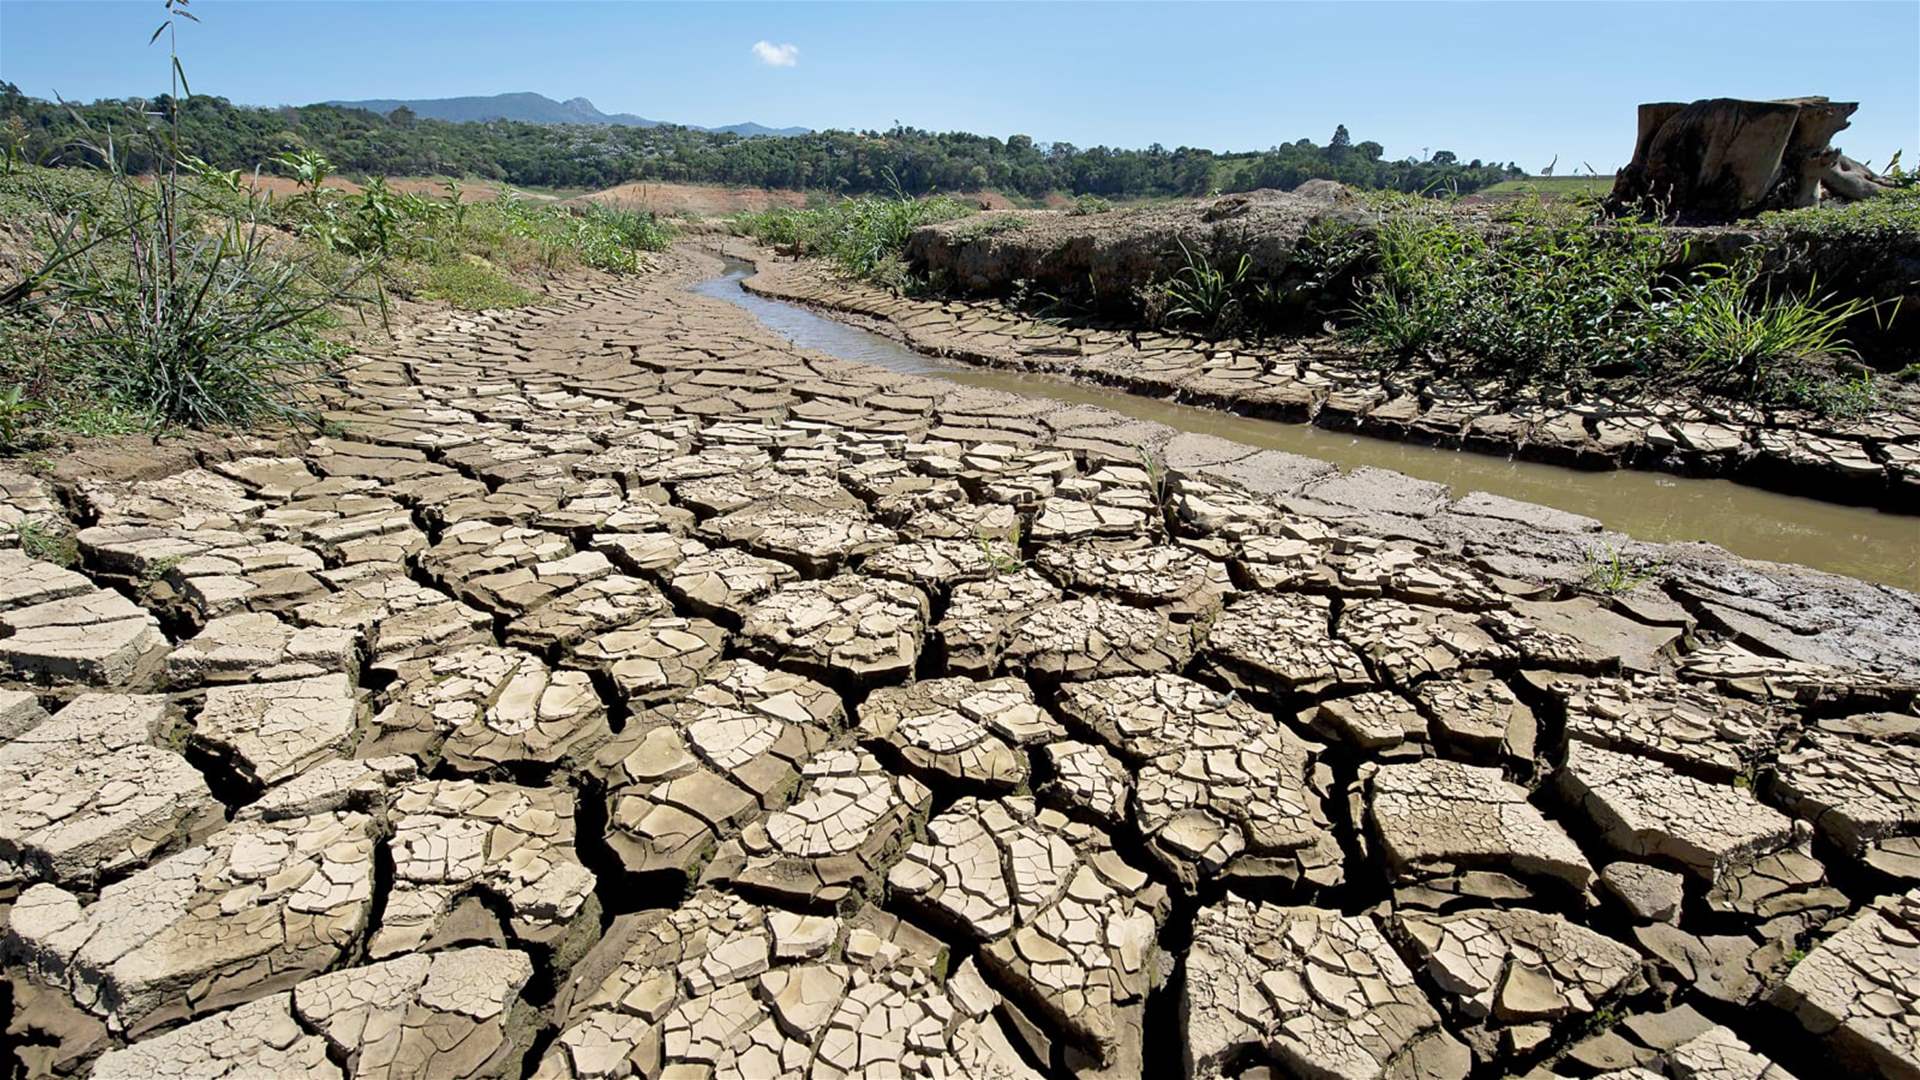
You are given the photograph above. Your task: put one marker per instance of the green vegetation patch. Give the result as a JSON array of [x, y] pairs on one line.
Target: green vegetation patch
[[472, 284], [863, 237], [146, 287], [991, 225], [1555, 186], [1546, 295], [1892, 216], [190, 298]]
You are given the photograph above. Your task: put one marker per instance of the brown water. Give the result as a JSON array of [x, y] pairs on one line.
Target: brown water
[[1759, 524]]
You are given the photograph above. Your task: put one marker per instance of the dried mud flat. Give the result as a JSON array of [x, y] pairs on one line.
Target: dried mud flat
[[621, 692]]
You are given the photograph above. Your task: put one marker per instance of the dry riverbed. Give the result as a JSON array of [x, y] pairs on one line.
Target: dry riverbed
[[622, 691]]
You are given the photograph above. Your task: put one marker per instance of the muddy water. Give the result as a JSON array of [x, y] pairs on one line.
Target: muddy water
[[1748, 521]]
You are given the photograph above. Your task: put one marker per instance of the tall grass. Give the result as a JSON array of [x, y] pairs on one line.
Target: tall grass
[[1551, 297], [193, 327], [1543, 297], [1546, 295], [614, 238], [1726, 330], [1201, 295], [409, 226], [191, 297], [164, 309]]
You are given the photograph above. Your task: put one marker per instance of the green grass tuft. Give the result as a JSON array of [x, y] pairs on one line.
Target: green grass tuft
[[471, 284]]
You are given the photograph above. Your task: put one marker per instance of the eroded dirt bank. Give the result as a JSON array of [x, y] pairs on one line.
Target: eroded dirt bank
[[622, 691]]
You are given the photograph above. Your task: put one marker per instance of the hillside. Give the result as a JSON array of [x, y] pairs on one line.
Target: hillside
[[358, 141], [530, 108]]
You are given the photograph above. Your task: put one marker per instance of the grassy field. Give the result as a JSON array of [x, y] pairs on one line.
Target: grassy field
[[1562, 186]]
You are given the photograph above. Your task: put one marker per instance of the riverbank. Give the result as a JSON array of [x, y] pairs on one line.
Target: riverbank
[[1873, 461], [616, 686], [1656, 507], [1784, 609]]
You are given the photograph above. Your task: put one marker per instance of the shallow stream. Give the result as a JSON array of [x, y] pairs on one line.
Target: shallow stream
[[1759, 524]]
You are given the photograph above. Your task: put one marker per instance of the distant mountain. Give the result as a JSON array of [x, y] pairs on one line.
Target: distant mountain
[[539, 109], [753, 131]]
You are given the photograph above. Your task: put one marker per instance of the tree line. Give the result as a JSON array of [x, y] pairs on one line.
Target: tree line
[[581, 156]]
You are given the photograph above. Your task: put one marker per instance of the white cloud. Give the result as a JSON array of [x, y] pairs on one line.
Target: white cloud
[[784, 55]]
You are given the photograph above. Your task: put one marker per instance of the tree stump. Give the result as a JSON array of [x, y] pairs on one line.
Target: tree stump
[[1722, 159]]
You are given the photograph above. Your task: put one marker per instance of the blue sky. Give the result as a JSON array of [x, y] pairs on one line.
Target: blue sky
[[1507, 81]]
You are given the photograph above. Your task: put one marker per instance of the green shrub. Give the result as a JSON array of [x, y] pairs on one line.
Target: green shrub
[[1088, 204], [864, 237]]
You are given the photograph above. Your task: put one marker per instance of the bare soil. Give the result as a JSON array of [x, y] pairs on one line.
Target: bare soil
[[701, 199], [471, 191]]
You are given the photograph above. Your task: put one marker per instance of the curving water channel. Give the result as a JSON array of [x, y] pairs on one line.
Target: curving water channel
[[1759, 524]]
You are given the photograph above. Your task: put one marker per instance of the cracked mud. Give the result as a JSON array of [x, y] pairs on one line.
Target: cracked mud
[[618, 691]]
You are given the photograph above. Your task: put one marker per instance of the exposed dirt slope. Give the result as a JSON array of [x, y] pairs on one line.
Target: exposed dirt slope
[[704, 199], [1112, 253]]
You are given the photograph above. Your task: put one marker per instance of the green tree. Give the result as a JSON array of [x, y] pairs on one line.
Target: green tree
[[1340, 145], [355, 141]]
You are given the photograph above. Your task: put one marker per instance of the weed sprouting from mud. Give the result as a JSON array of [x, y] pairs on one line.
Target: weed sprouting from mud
[[43, 540], [1203, 296], [1003, 557], [1610, 572]]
